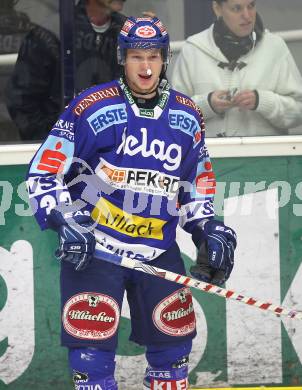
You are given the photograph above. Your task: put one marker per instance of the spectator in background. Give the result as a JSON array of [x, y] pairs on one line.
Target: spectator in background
[[243, 77], [13, 26], [33, 93]]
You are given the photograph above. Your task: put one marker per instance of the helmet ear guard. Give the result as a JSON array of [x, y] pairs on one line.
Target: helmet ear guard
[[143, 33]]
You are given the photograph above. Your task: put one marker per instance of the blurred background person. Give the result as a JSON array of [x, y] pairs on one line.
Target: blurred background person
[[33, 93], [13, 27], [243, 77]]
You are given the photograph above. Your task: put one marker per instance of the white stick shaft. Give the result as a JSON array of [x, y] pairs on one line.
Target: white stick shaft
[[190, 282]]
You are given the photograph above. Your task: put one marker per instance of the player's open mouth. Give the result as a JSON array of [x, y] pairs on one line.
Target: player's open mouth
[[145, 77]]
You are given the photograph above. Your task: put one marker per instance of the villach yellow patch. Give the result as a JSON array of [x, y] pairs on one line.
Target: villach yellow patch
[[107, 214]]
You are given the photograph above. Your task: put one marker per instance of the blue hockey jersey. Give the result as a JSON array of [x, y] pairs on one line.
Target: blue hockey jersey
[[138, 172]]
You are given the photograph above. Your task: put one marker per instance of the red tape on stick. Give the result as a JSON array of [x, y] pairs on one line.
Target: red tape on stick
[[137, 265]]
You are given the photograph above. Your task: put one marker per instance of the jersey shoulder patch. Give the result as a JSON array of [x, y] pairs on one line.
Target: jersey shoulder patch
[[97, 94], [185, 115], [186, 101]]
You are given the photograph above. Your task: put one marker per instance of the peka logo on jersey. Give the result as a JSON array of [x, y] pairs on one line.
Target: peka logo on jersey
[[107, 214], [107, 116], [138, 180], [170, 155], [94, 97], [185, 122], [174, 315], [91, 316]]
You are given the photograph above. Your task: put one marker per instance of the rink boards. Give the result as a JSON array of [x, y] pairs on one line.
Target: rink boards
[[259, 194]]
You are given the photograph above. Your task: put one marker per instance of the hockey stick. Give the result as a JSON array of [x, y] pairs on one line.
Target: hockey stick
[[190, 282]]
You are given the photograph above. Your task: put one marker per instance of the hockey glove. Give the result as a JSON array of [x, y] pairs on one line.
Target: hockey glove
[[216, 245], [76, 240]]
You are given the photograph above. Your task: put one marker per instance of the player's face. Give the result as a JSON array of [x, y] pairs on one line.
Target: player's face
[[142, 69], [238, 15]]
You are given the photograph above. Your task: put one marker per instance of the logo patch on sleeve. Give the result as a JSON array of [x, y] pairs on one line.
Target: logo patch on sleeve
[[54, 156], [91, 316]]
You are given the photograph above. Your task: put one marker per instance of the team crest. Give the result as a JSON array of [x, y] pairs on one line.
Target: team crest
[[145, 32], [91, 316], [174, 315]]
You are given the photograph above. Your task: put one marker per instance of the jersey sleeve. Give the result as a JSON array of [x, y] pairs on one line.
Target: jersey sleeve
[[45, 179], [198, 186], [60, 160]]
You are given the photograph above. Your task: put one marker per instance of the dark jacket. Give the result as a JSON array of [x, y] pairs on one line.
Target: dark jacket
[[14, 26], [33, 93]]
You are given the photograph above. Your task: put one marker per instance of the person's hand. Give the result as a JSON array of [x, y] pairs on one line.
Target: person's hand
[[215, 259], [220, 101], [76, 240], [245, 100]]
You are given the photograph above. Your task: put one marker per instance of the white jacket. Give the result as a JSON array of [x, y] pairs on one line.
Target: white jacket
[[271, 70]]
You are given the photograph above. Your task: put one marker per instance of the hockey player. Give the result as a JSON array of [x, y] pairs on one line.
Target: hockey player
[[124, 165]]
